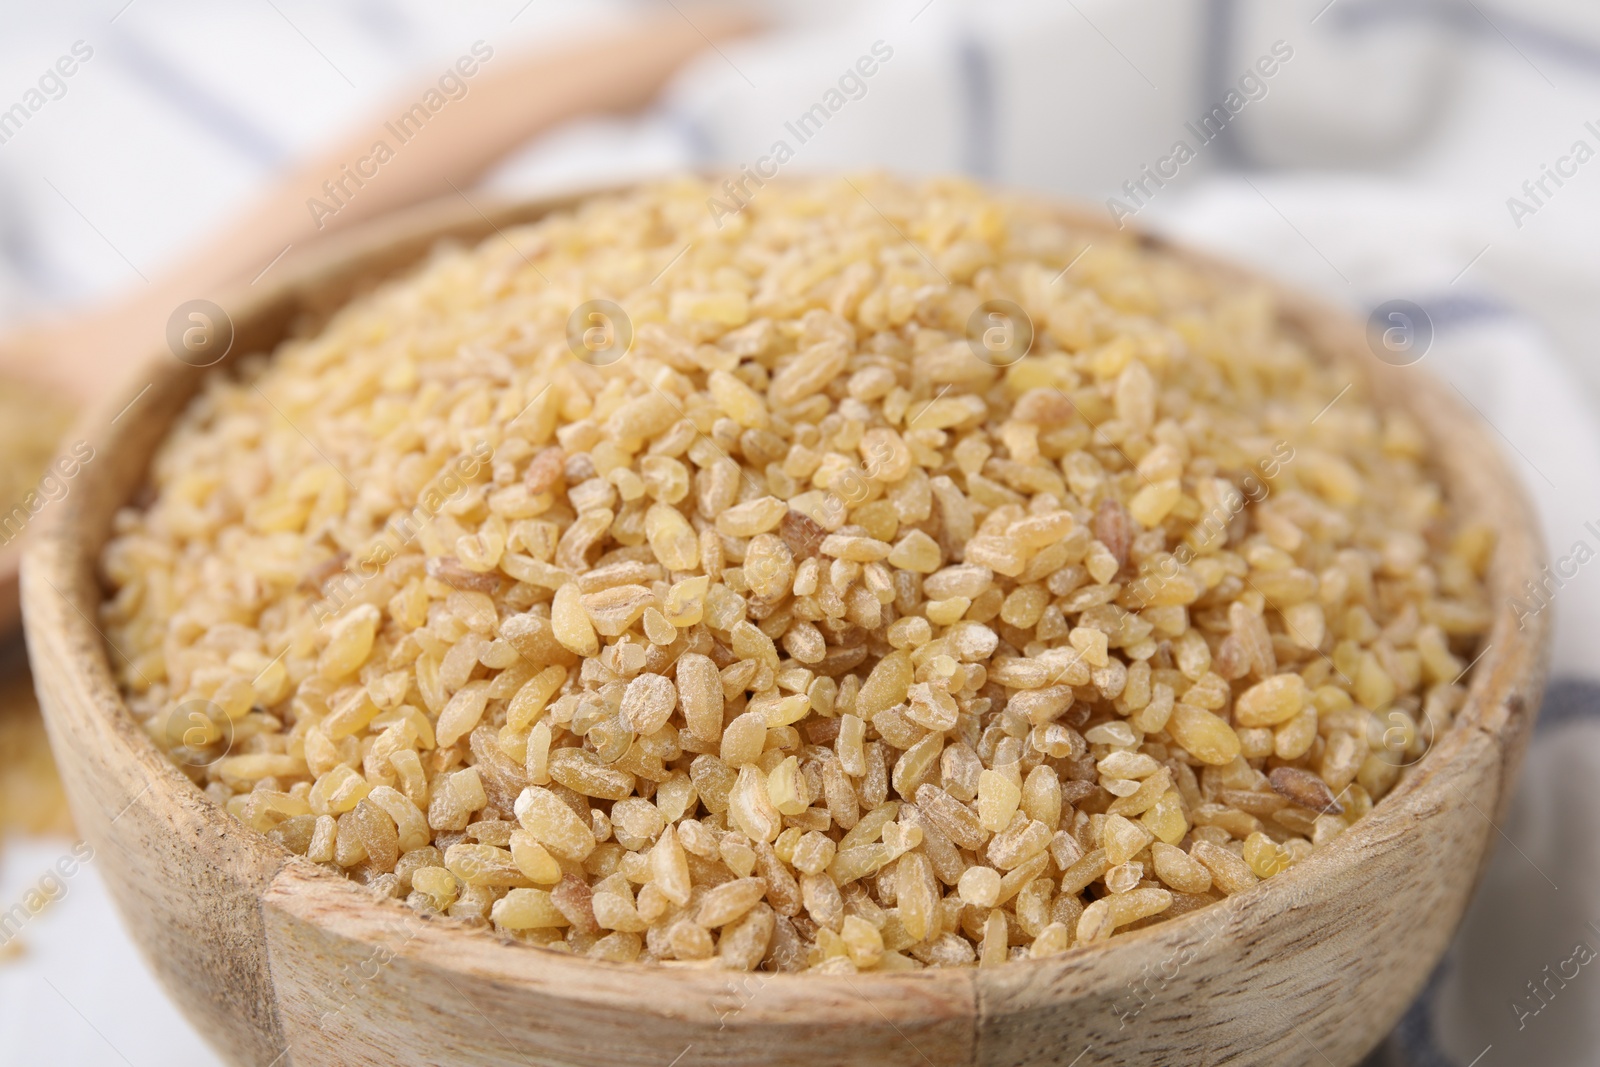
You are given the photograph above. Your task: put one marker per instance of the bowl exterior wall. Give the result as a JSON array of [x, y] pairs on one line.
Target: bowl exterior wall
[[188, 886]]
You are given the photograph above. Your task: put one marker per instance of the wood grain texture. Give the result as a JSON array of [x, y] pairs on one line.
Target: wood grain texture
[[550, 1008], [278, 961], [10, 590]]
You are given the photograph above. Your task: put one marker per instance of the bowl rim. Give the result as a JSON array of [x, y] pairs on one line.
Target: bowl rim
[[62, 559]]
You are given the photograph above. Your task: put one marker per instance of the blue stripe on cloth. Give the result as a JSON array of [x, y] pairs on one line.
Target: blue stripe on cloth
[[1568, 700], [979, 146], [198, 103], [1453, 311], [693, 133], [1450, 311], [1220, 18], [1496, 25]]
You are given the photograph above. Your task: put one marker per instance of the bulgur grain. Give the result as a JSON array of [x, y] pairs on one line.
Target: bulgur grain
[[800, 637]]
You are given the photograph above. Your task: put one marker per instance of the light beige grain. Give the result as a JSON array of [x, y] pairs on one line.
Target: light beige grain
[[799, 637]]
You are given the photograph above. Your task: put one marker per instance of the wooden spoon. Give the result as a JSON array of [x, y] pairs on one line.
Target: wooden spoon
[[509, 99]]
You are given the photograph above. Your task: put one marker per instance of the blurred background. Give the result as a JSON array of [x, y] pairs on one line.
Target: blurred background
[[1443, 152]]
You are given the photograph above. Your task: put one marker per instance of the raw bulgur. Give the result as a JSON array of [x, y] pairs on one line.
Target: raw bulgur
[[812, 632]]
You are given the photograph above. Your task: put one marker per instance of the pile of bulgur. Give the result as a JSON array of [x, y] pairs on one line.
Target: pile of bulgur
[[814, 631]]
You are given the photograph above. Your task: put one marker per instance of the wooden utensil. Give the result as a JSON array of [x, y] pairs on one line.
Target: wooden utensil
[[508, 100], [279, 961]]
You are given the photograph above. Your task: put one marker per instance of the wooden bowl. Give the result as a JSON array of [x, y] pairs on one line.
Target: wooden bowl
[[278, 961]]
